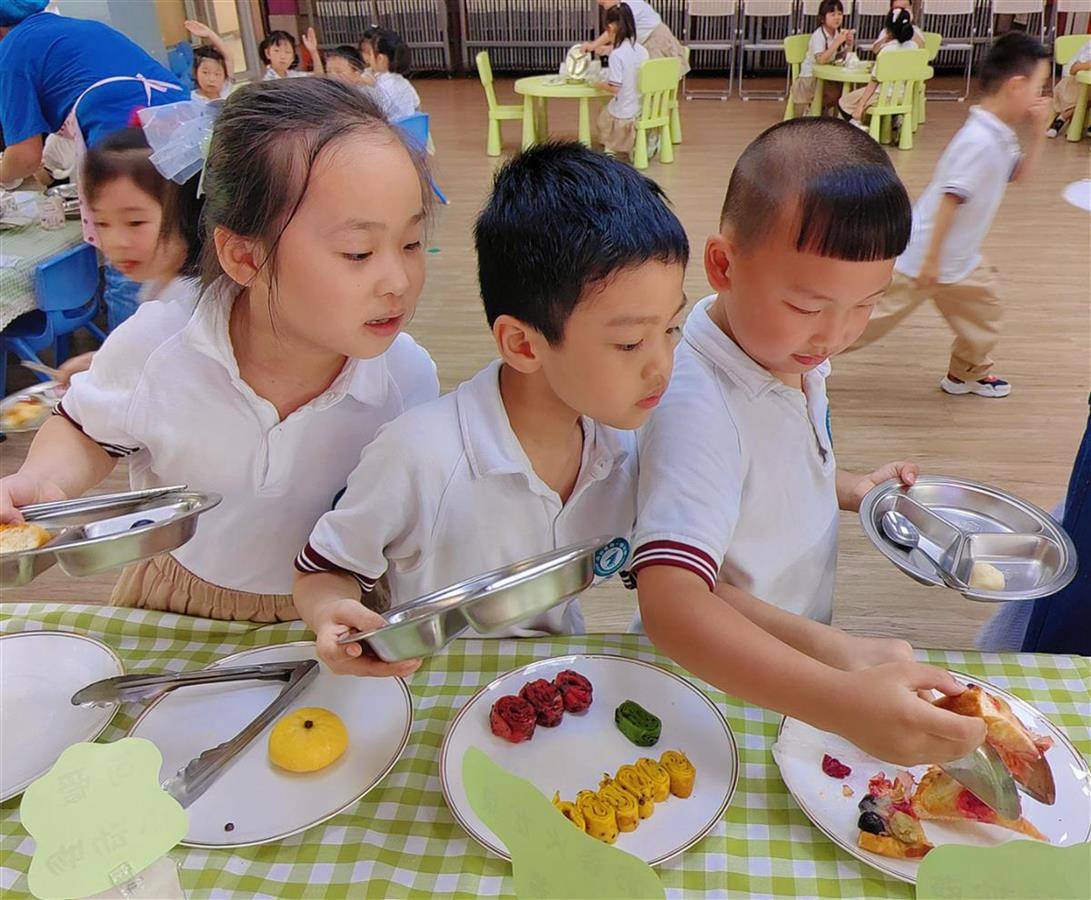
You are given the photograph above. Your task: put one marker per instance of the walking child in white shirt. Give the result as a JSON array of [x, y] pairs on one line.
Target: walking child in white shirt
[[943, 261], [617, 121], [537, 450], [266, 390], [737, 516]]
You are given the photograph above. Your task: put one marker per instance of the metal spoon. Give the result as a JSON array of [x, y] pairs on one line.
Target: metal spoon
[[904, 533]]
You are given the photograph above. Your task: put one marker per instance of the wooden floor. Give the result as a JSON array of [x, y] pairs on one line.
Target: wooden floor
[[886, 400]]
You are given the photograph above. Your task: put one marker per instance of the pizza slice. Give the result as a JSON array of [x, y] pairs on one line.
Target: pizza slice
[[888, 823], [1020, 750], [941, 798]]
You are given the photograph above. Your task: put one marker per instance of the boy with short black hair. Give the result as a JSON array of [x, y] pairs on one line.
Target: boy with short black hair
[[739, 491], [581, 264], [943, 261]]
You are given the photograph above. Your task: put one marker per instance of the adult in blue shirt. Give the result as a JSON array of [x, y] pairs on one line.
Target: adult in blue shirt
[[51, 63]]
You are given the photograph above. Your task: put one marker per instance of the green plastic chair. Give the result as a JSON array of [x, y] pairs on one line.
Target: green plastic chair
[[656, 80], [1065, 49], [932, 41], [497, 112], [676, 119], [795, 51], [898, 74]]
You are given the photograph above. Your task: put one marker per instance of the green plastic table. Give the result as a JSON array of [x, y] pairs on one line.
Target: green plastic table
[[29, 246], [1079, 115], [839, 74], [538, 90], [401, 840]]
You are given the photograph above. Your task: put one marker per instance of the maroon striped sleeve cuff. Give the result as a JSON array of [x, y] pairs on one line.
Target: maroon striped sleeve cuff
[[679, 555], [310, 561], [118, 451]]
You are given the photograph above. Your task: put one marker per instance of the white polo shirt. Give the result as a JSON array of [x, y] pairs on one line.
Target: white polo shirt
[[737, 476], [395, 95], [623, 67], [646, 18], [976, 167], [447, 492], [165, 392], [819, 43]]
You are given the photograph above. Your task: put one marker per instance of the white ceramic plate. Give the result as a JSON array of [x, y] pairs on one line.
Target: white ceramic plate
[[799, 751], [39, 673], [261, 802], [574, 755], [1079, 194]]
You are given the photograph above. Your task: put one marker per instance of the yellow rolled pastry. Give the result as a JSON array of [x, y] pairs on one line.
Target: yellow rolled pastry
[[640, 786], [681, 772], [660, 778], [625, 806], [598, 815], [570, 811]]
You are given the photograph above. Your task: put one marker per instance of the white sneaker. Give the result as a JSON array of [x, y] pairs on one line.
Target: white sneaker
[[989, 386]]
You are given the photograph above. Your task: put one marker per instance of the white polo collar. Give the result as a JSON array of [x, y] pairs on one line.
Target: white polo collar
[[992, 122], [366, 380], [493, 449], [709, 340]]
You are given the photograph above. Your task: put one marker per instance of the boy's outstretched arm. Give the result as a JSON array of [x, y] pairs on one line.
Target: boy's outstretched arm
[[876, 708]]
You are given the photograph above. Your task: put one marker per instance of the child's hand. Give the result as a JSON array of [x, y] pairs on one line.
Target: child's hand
[[310, 41], [76, 364], [884, 716], [906, 472], [20, 490], [1040, 113], [337, 618], [928, 274], [198, 29]]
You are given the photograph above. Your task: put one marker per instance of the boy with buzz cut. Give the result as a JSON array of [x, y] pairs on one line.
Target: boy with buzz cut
[[739, 490], [581, 264], [943, 261]]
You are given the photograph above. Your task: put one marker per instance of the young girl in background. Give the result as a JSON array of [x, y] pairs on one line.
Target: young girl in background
[[387, 56], [212, 66], [277, 50], [148, 226], [345, 64], [829, 44], [617, 121], [265, 390], [897, 35]]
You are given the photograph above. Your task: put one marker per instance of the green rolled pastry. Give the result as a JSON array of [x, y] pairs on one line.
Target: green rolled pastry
[[637, 724]]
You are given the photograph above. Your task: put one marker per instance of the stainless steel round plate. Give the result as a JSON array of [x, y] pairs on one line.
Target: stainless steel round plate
[[963, 522], [576, 63], [91, 537], [27, 410], [489, 602]]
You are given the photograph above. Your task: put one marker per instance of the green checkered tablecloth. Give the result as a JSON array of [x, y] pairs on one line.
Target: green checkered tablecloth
[[402, 841], [28, 246]]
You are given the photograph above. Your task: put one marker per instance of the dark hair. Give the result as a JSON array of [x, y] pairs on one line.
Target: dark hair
[[828, 6], [561, 220], [825, 180], [277, 37], [126, 154], [203, 53], [368, 37], [349, 54], [899, 25], [264, 147], [622, 16], [390, 44], [1015, 53]]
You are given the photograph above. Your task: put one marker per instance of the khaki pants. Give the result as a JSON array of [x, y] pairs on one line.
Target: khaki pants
[[971, 307]]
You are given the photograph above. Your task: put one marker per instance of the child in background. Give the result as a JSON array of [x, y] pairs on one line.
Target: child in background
[[266, 390], [538, 447], [1067, 91], [387, 56], [277, 50], [212, 66], [617, 121], [652, 33], [829, 44], [885, 36], [366, 40], [898, 32], [943, 261], [345, 64], [739, 489]]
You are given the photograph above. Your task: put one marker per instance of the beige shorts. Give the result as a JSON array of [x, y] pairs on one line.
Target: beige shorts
[[1065, 94], [616, 135]]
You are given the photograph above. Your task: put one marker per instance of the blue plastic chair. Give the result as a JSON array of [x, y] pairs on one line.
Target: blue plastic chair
[[180, 63], [25, 337], [415, 128], [68, 293]]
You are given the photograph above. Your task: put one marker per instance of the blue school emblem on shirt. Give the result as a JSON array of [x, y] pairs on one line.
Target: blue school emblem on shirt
[[611, 557]]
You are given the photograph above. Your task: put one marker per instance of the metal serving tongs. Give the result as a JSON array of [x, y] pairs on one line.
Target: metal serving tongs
[[95, 501], [130, 688], [197, 776]]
